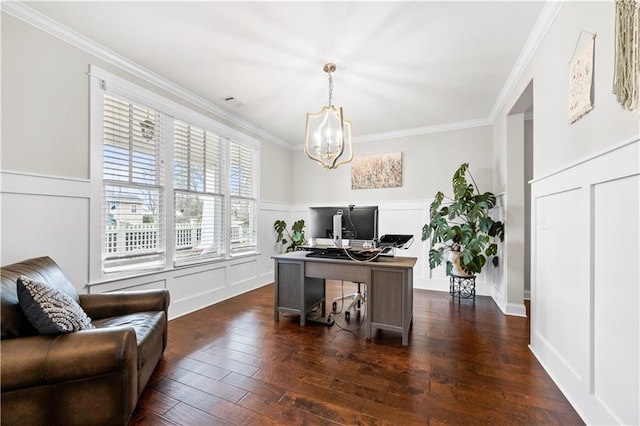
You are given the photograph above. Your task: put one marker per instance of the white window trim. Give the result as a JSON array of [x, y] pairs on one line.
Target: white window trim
[[97, 78], [228, 198]]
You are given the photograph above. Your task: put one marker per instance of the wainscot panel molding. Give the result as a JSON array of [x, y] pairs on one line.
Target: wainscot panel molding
[[585, 322], [49, 216], [271, 211], [23, 183], [407, 217], [242, 272]]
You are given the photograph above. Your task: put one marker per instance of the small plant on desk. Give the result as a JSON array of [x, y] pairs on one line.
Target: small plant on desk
[[295, 237]]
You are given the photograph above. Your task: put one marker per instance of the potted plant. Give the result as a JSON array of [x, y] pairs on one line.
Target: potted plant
[[296, 236], [462, 226]]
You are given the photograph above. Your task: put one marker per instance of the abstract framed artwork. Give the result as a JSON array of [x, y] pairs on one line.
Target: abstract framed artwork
[[377, 171]]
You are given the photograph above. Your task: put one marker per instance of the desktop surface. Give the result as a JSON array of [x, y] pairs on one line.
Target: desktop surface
[[387, 261]]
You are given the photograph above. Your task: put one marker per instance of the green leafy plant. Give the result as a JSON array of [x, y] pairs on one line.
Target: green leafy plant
[[295, 237], [462, 224]]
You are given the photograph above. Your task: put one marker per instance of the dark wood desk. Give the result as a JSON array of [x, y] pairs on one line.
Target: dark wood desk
[[300, 286]]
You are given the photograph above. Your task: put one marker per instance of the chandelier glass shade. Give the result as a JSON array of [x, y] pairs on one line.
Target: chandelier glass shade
[[327, 134]]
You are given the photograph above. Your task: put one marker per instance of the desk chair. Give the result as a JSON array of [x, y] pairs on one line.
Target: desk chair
[[357, 301]]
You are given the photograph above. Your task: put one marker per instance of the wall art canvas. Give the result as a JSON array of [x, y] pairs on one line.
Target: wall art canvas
[[581, 82], [377, 171]]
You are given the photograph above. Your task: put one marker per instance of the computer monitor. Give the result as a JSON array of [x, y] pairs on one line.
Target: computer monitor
[[359, 223]]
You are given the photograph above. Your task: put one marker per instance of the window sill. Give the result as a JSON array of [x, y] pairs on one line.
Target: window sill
[[149, 272]]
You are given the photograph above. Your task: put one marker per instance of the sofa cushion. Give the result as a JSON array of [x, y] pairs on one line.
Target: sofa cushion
[[149, 328], [49, 310], [12, 320]]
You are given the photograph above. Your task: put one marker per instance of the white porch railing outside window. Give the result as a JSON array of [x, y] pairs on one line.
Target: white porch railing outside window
[[130, 238]]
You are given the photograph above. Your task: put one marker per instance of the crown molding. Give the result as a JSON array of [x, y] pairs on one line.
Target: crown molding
[[416, 131], [42, 22], [539, 31]]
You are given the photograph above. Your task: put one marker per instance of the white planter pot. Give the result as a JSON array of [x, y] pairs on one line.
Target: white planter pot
[[454, 258]]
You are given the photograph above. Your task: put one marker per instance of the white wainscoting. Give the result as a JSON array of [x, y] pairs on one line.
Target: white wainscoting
[[49, 216], [408, 217], [44, 215], [35, 225], [585, 292]]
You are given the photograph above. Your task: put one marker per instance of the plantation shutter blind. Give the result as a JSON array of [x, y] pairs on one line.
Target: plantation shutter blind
[[198, 193], [243, 178], [132, 185]]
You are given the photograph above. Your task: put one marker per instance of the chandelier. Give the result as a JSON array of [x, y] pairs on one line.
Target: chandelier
[[327, 134]]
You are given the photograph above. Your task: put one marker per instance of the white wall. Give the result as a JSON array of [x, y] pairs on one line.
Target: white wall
[[44, 193], [528, 176], [428, 164], [585, 328]]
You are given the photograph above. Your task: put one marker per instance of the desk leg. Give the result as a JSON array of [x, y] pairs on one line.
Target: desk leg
[[367, 306], [276, 301], [303, 308], [405, 335]]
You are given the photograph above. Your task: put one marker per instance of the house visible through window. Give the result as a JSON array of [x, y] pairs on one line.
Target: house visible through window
[[206, 212]]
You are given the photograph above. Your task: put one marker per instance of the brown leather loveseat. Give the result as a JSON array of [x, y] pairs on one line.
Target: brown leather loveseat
[[83, 377]]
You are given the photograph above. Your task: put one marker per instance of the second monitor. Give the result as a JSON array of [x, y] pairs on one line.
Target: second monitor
[[359, 224]]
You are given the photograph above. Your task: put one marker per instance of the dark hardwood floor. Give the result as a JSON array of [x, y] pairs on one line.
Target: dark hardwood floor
[[466, 363]]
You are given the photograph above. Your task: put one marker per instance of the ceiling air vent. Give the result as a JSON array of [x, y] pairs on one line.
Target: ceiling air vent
[[232, 101]]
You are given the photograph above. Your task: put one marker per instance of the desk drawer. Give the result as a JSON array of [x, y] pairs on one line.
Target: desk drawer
[[336, 271]]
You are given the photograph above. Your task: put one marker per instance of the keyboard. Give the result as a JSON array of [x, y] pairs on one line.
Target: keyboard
[[328, 254], [340, 254]]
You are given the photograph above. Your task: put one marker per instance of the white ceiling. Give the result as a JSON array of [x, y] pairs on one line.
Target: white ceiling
[[401, 66]]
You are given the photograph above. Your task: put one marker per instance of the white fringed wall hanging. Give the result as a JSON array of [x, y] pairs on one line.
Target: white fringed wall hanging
[[581, 80], [626, 75]]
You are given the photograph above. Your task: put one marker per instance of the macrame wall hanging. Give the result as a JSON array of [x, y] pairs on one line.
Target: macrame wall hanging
[[626, 75], [581, 79]]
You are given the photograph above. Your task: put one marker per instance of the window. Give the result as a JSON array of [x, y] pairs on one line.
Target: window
[[131, 157], [176, 187], [198, 193], [243, 190]]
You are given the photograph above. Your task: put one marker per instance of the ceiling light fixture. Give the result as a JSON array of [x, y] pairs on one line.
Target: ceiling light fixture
[[327, 134]]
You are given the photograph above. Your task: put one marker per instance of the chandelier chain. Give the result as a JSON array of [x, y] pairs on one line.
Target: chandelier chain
[[330, 89]]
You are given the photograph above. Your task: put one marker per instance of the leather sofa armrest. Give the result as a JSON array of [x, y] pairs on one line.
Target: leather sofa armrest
[[48, 360], [105, 305]]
